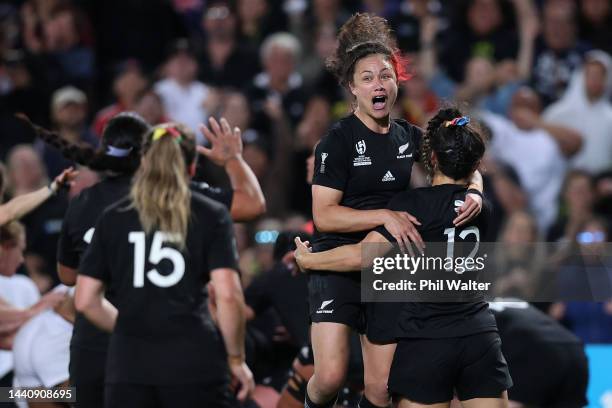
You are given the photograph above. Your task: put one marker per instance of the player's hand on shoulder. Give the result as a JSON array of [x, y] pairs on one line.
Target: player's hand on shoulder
[[402, 226], [469, 210], [242, 378], [302, 249]]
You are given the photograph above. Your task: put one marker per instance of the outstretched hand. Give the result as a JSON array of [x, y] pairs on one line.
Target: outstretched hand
[[226, 144]]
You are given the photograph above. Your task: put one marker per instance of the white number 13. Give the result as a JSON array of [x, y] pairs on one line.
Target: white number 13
[[156, 255]]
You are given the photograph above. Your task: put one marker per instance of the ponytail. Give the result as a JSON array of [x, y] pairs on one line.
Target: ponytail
[[160, 192], [119, 150]]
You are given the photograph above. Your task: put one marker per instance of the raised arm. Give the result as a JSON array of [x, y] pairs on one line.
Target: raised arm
[[346, 258], [569, 140], [226, 150], [23, 204]]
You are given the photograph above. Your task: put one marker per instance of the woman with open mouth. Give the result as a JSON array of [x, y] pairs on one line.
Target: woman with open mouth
[[363, 161]]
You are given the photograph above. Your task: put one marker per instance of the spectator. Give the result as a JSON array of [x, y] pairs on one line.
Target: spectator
[[586, 107], [518, 141], [595, 17], [578, 196], [150, 106], [183, 96], [257, 20], [223, 61], [27, 174], [69, 114], [480, 29], [279, 84], [559, 52], [128, 84]]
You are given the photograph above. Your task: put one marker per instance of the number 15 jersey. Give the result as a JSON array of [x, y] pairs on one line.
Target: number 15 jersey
[[163, 333]]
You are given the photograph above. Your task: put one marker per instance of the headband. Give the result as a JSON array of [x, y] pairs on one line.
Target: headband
[[117, 151], [163, 131]]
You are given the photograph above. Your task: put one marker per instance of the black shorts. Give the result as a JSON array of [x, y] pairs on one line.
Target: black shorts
[[336, 298], [428, 370], [87, 368], [194, 395], [549, 375], [381, 319]]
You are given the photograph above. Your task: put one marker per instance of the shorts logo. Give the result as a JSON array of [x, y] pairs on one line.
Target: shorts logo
[[324, 305], [388, 177], [323, 157], [361, 147]]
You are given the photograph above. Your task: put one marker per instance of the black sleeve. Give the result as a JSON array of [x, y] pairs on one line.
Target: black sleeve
[[221, 195], [94, 262], [67, 251], [331, 162], [222, 252], [399, 202]]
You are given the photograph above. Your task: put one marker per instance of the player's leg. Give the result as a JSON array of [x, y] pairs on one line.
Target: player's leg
[[377, 359], [294, 393], [330, 344]]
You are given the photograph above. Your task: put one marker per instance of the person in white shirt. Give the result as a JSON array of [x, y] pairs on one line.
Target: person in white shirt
[[537, 150], [20, 300], [586, 107], [184, 98]]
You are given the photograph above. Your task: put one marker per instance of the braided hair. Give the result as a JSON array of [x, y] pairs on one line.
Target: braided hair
[[119, 150], [458, 145], [362, 35]]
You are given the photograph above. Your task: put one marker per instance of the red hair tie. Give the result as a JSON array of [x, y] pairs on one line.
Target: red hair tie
[[399, 65]]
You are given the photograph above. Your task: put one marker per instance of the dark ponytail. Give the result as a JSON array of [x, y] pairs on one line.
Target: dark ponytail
[[119, 150], [458, 146]]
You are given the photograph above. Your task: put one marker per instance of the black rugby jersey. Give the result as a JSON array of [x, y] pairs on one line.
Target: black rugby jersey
[[435, 207], [368, 167], [77, 231], [163, 333]]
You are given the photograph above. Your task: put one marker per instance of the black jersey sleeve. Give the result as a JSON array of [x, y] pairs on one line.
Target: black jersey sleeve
[[222, 252], [400, 202], [94, 262], [221, 195], [331, 162], [67, 250]]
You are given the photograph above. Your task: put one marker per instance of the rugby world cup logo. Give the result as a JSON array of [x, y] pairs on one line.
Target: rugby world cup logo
[[361, 147]]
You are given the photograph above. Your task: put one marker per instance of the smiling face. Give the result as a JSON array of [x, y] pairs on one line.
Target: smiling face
[[374, 85]]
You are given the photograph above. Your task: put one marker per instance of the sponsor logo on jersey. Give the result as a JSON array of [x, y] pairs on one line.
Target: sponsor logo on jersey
[[388, 177], [361, 147], [324, 305], [402, 149], [323, 157], [361, 160]]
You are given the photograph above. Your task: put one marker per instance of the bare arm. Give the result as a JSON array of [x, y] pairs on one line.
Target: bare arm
[[569, 140], [230, 312], [346, 258], [67, 275], [89, 300], [23, 204], [528, 24], [473, 202], [226, 150]]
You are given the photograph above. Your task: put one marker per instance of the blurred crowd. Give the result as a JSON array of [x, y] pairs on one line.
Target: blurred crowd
[[535, 72]]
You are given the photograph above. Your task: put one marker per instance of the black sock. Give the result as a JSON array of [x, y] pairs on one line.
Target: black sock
[[364, 403], [309, 404]]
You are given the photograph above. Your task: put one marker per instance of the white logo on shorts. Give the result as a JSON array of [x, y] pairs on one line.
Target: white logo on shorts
[[324, 305]]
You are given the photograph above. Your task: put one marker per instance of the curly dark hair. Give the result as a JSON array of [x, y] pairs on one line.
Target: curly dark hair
[[124, 131], [458, 149], [362, 35]]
